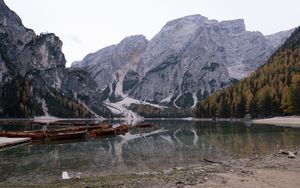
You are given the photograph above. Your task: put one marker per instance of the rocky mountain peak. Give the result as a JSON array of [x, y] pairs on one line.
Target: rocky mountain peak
[[134, 41], [109, 65], [190, 58], [35, 65], [13, 35], [8, 17], [129, 45], [43, 52], [233, 26], [181, 29], [197, 18]]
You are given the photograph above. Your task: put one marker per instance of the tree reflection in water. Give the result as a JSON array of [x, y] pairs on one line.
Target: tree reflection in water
[[167, 145]]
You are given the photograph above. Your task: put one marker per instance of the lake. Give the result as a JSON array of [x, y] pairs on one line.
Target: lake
[[172, 143]]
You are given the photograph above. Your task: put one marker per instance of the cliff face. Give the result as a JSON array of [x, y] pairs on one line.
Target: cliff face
[[36, 64], [108, 66], [186, 61]]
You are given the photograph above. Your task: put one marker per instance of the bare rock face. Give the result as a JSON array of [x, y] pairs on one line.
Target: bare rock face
[[107, 65], [186, 61], [43, 52], [193, 55], [13, 35], [85, 89], [37, 63]]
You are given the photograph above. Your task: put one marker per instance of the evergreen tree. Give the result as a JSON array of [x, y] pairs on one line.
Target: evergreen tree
[[273, 89]]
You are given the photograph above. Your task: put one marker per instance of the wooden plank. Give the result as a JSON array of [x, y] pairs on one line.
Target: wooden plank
[[9, 142]]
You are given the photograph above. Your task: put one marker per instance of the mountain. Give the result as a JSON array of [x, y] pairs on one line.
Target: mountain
[[188, 60], [33, 77], [108, 66], [272, 90]]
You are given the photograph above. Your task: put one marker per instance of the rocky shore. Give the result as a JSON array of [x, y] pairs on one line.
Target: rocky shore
[[275, 170]]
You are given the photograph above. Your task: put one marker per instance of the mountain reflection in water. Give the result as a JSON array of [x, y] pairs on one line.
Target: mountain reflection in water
[[169, 144]]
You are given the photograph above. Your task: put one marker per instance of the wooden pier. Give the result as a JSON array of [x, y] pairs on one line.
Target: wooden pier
[[6, 142]]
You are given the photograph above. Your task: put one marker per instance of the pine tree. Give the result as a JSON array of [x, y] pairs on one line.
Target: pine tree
[[273, 89]]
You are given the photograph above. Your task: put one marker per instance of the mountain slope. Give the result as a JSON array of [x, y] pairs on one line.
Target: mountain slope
[[190, 58], [33, 77], [108, 66], [273, 89]]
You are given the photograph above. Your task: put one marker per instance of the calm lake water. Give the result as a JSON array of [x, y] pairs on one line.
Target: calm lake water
[[170, 144]]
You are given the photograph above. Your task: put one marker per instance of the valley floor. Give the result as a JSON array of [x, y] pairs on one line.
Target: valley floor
[[274, 170]]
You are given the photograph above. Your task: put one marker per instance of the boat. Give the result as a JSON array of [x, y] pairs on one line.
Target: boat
[[24, 134], [122, 129], [109, 130], [48, 135], [102, 132], [145, 125], [89, 128], [65, 135], [74, 128]]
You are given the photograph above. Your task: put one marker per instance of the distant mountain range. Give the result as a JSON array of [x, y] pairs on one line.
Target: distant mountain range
[[185, 62], [188, 60], [273, 89]]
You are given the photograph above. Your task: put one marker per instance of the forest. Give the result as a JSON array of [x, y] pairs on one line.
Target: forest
[[272, 90], [18, 100]]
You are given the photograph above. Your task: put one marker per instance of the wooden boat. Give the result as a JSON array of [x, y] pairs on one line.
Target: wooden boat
[[145, 125], [122, 129], [23, 134], [60, 123], [89, 128], [102, 132], [50, 135], [74, 128], [109, 130], [65, 135]]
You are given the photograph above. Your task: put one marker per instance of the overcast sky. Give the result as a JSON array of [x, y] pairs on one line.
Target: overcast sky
[[86, 26]]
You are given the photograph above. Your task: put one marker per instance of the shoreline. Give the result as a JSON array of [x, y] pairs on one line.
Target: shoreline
[[254, 171], [289, 121], [274, 170]]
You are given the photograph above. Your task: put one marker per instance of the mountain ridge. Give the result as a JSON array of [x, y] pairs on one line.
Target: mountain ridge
[[189, 59]]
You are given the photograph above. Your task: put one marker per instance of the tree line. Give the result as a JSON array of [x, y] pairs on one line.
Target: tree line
[[273, 89], [17, 98], [20, 99]]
